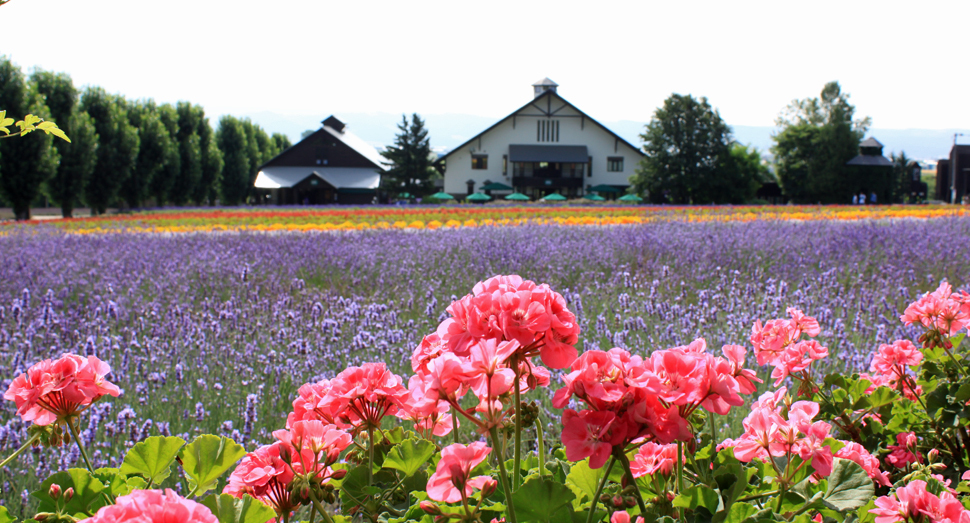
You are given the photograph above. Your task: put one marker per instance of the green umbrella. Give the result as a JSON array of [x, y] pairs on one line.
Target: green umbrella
[[405, 195], [630, 198], [442, 196], [604, 188], [517, 196], [495, 186], [594, 197], [554, 197], [478, 197]]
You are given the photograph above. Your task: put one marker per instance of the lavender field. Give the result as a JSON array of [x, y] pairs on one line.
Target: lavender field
[[215, 332]]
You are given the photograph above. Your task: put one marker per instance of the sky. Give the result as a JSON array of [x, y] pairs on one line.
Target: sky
[[903, 64]]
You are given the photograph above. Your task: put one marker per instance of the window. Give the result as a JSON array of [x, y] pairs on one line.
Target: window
[[614, 164], [505, 164], [547, 131], [479, 161]]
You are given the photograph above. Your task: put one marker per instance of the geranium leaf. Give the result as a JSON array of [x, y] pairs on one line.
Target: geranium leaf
[[583, 479], [152, 458], [539, 498], [5, 516], [698, 496], [228, 509], [409, 456], [87, 492], [207, 458], [849, 486]]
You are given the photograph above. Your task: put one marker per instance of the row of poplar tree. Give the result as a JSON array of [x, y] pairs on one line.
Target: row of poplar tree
[[122, 153]]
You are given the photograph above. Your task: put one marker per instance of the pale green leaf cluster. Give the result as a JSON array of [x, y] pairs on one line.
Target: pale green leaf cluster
[[28, 124]]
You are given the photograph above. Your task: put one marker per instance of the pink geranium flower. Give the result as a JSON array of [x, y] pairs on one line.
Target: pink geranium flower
[[652, 458], [264, 475], [451, 481], [154, 506], [362, 396], [55, 390]]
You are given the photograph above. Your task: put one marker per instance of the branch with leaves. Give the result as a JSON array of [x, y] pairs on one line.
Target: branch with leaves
[[29, 123]]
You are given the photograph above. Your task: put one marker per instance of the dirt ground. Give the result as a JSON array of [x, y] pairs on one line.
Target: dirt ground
[[48, 213]]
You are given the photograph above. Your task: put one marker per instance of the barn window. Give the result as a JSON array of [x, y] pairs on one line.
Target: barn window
[[479, 161]]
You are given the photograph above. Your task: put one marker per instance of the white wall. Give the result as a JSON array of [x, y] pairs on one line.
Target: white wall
[[572, 131]]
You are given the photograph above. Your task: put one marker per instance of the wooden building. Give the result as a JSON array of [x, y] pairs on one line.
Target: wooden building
[[870, 173], [546, 146], [331, 165], [952, 174]]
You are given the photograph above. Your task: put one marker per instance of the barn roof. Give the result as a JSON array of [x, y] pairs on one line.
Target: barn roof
[[338, 177]]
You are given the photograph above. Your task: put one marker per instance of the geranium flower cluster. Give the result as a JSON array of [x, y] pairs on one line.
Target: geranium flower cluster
[[889, 368], [357, 399], [486, 346], [56, 390], [154, 506], [629, 398], [778, 343], [452, 481], [652, 458], [278, 474], [904, 452], [941, 312], [913, 503], [769, 433]]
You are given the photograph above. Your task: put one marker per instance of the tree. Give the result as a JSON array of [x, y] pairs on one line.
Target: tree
[[28, 161], [687, 145], [117, 150], [207, 190], [739, 176], [232, 141], [902, 177], [409, 160], [154, 152], [818, 136], [281, 142], [77, 157]]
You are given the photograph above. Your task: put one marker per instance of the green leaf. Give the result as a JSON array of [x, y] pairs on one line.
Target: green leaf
[[583, 479], [352, 486], [849, 486], [152, 458], [87, 492], [739, 512], [539, 498], [698, 496], [228, 509], [207, 458], [5, 516], [115, 483], [409, 456]]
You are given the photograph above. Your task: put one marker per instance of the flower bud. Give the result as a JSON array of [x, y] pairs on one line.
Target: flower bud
[[933, 455], [618, 501], [338, 474], [441, 519], [42, 516], [489, 487], [430, 507], [532, 381], [630, 501], [305, 493], [68, 494], [332, 456], [54, 491]]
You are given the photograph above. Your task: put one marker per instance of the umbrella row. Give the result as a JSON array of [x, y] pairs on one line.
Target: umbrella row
[[517, 196]]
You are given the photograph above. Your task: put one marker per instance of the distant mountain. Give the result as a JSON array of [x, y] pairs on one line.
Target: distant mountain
[[448, 131]]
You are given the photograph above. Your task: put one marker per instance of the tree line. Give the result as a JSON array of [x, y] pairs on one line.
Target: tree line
[[691, 156], [123, 153]]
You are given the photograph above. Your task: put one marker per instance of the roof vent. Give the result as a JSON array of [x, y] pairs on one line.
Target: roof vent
[[544, 85], [334, 124]]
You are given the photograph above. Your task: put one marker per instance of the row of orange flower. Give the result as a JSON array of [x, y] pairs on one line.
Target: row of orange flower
[[454, 217]]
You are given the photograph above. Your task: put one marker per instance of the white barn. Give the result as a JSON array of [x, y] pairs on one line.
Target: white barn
[[547, 145]]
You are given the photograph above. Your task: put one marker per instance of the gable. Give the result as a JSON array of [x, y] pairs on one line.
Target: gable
[[323, 148]]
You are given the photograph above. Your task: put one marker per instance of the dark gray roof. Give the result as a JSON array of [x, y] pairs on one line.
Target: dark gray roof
[[862, 159], [548, 153], [544, 82], [870, 142]]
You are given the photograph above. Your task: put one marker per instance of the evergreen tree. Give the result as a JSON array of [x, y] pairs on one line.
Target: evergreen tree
[[282, 143], [212, 164], [77, 156], [186, 184], [155, 149], [28, 161], [117, 151], [410, 160], [232, 141], [818, 136]]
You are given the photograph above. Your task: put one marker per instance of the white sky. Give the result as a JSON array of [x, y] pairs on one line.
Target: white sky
[[904, 64]]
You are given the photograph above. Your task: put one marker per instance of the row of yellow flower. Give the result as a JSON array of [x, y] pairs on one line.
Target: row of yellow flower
[[849, 215]]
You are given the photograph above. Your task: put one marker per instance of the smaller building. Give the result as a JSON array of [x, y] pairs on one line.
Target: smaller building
[[871, 173], [331, 165], [952, 174]]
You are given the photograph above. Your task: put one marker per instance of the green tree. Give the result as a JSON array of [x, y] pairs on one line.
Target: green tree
[[409, 160], [117, 151], [902, 177], [281, 142], [77, 157], [234, 145], [687, 144], [155, 149], [29, 161], [207, 190], [160, 184], [184, 186], [817, 137], [739, 176]]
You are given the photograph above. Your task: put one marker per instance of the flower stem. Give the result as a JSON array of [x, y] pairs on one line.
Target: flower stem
[[621, 457], [516, 463], [599, 489], [320, 509], [540, 447], [370, 457], [680, 467], [503, 477], [80, 446], [19, 451]]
